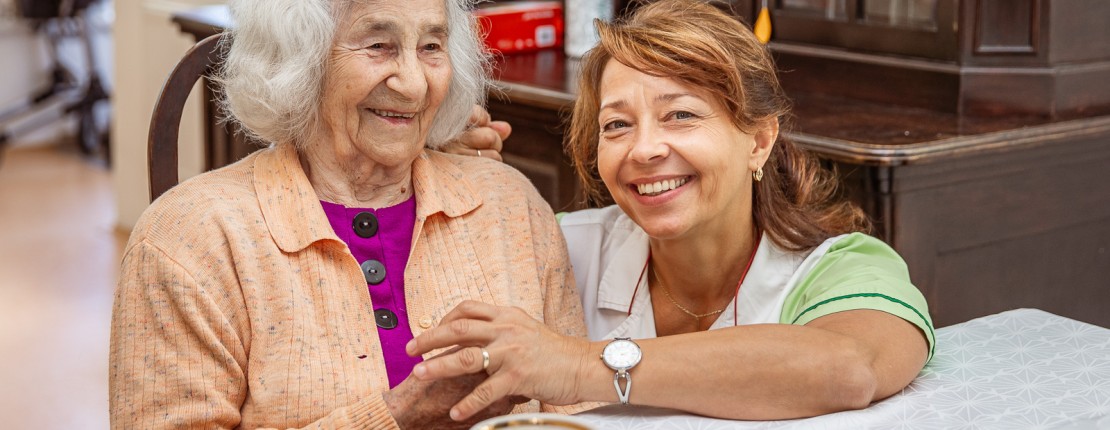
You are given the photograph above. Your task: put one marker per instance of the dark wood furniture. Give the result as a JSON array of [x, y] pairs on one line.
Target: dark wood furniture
[[971, 57], [165, 122], [985, 164], [222, 146]]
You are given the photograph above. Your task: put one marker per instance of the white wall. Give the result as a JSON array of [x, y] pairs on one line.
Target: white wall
[[148, 46]]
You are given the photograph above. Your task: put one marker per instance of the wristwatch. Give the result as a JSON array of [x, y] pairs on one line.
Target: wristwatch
[[622, 354]]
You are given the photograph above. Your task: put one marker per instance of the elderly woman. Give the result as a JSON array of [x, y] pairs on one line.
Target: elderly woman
[[726, 281], [280, 291]]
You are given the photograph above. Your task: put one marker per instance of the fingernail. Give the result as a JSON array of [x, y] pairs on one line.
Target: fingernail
[[410, 346], [455, 414], [419, 370]]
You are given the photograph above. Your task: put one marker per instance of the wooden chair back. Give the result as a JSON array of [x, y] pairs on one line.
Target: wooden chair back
[[165, 122]]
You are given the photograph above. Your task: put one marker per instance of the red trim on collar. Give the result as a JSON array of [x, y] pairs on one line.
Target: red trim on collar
[[735, 296], [638, 281]]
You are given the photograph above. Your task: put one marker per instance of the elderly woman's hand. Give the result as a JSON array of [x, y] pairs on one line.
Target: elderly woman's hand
[[419, 404], [484, 137], [526, 358]]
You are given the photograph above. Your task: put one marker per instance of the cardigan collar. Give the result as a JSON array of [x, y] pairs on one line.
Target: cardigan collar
[[295, 218]]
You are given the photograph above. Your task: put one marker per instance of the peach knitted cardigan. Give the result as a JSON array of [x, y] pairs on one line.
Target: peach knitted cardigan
[[238, 307]]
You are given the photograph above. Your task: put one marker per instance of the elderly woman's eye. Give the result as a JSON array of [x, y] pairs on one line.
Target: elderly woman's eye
[[433, 47]]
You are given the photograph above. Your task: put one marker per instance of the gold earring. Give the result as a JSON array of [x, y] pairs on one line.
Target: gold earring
[[758, 174]]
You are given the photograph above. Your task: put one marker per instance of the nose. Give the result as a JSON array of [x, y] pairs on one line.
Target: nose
[[649, 144], [408, 80]]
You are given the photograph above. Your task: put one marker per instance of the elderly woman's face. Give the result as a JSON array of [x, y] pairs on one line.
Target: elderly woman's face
[[669, 154], [387, 74]]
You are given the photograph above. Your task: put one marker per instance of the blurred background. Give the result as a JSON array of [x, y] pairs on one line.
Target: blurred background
[[78, 80]]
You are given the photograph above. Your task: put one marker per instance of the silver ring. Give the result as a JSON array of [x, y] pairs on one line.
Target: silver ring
[[479, 154], [485, 359]]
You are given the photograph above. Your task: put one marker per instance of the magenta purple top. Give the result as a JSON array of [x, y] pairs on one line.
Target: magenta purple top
[[380, 240]]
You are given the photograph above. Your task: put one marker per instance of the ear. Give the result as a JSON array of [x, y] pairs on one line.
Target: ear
[[765, 139]]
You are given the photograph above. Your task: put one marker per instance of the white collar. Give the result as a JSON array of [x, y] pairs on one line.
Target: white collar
[[622, 277], [622, 288]]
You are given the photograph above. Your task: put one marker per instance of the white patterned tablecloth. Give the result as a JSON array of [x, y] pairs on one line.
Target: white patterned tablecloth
[[1021, 369]]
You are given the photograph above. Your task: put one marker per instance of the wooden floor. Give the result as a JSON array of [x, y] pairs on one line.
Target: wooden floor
[[59, 259]]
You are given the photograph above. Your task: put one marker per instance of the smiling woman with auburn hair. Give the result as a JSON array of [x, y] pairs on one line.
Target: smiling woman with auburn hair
[[728, 280]]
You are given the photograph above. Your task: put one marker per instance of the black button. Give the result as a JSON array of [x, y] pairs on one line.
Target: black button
[[365, 224], [385, 318], [374, 271]]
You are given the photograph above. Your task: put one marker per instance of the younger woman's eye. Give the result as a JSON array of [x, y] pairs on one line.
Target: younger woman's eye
[[613, 125], [684, 115]]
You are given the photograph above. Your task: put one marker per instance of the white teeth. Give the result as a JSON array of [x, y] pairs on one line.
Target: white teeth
[[658, 187], [388, 114]]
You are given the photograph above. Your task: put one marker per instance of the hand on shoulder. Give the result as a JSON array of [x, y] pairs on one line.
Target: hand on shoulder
[[482, 138]]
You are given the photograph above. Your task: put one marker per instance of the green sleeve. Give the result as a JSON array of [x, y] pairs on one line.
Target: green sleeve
[[859, 272]]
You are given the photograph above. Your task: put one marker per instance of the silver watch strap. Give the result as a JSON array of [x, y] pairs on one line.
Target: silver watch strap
[[623, 394]]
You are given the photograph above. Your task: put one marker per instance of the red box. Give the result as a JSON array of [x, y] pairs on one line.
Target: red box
[[522, 26]]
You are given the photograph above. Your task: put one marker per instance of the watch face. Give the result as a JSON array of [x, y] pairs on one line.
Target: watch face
[[621, 354]]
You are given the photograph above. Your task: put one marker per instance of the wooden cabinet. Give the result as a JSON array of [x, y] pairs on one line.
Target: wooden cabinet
[[972, 57]]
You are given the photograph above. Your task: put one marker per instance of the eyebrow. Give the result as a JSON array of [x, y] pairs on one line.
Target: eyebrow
[[620, 104], [438, 29], [673, 96]]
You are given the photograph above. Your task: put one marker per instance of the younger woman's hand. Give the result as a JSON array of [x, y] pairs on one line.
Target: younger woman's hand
[[526, 358], [417, 404], [483, 137]]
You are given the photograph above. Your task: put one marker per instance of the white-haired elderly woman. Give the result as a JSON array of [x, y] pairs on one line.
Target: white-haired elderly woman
[[280, 291]]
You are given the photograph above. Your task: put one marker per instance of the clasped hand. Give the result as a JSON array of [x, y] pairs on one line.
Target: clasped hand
[[526, 358]]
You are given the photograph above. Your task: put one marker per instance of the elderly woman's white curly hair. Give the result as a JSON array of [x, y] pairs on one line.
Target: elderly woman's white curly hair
[[273, 74]]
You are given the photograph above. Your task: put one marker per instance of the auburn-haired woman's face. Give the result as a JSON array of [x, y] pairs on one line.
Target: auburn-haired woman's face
[[670, 156]]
